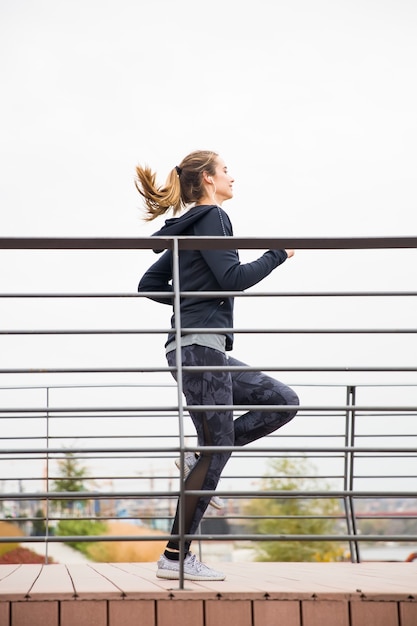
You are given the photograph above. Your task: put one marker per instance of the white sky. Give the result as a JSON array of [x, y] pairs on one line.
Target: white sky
[[312, 104]]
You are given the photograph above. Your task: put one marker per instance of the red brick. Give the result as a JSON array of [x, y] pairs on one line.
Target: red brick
[[374, 614], [325, 613], [132, 613], [34, 614], [408, 613], [184, 612], [83, 613], [5, 613], [228, 612], [276, 612]]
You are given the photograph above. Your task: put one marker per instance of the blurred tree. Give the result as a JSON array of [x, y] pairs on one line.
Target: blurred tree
[[38, 525], [71, 477], [295, 516]]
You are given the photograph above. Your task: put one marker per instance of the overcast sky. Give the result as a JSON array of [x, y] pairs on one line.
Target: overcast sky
[[312, 104]]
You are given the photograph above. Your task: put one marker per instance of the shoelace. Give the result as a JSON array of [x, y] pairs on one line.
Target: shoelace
[[194, 562]]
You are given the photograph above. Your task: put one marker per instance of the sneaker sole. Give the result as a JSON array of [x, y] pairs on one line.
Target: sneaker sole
[[171, 575]]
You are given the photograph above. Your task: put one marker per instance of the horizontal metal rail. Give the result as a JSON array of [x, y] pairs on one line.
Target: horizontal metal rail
[[212, 449], [139, 370], [213, 294], [293, 494], [219, 537], [188, 331]]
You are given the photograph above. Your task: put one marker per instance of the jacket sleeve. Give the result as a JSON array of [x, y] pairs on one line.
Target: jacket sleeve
[[230, 274], [159, 278]]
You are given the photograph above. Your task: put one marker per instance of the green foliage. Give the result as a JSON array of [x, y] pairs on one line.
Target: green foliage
[[82, 528], [71, 478], [39, 525], [71, 474], [294, 516]]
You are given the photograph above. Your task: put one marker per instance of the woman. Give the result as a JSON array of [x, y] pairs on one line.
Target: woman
[[201, 181]]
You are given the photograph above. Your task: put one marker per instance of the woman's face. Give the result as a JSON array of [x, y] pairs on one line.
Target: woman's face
[[222, 182]]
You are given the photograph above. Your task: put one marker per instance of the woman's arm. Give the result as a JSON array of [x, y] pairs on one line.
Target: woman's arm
[[159, 278], [235, 276], [230, 273]]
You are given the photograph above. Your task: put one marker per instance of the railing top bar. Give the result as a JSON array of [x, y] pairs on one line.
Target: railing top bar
[[189, 243]]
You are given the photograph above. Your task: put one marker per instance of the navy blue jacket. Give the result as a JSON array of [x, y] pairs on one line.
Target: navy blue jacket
[[206, 270]]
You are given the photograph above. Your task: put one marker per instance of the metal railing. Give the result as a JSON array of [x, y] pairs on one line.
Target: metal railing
[[127, 423]]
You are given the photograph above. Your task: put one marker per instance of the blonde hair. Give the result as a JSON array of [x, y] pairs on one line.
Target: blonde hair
[[183, 186]]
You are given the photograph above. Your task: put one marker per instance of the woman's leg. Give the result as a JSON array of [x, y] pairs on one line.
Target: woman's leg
[[258, 388], [214, 428]]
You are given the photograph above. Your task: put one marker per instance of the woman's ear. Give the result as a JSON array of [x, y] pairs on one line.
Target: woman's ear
[[207, 178]]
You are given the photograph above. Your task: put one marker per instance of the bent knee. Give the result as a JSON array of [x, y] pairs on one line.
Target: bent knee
[[293, 398], [288, 396]]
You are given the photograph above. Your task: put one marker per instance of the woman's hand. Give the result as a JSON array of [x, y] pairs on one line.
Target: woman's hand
[[290, 253]]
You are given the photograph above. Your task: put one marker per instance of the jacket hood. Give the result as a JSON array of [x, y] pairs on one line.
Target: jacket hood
[[180, 225]]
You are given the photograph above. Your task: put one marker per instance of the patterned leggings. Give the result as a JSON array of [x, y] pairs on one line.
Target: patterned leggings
[[218, 428]]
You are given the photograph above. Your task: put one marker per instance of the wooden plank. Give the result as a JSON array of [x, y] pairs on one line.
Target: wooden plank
[[184, 612], [149, 586], [6, 570], [261, 580], [282, 581], [326, 580], [386, 580], [34, 614], [130, 579], [325, 613], [53, 581], [332, 580], [228, 612], [408, 613], [234, 585], [374, 614], [132, 613], [88, 583], [273, 612], [16, 586], [83, 613]]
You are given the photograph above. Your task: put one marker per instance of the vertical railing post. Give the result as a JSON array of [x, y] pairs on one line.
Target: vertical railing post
[[178, 362], [47, 478], [349, 472]]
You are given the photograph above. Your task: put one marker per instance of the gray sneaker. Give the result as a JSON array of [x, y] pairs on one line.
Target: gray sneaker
[[189, 461], [193, 569]]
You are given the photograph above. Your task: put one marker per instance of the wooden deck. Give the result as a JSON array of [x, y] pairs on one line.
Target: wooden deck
[[254, 594]]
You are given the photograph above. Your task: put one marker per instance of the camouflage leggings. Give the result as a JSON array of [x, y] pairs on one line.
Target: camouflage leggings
[[218, 428]]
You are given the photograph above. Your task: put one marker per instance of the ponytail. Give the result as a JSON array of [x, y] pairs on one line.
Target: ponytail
[[183, 186], [158, 200]]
